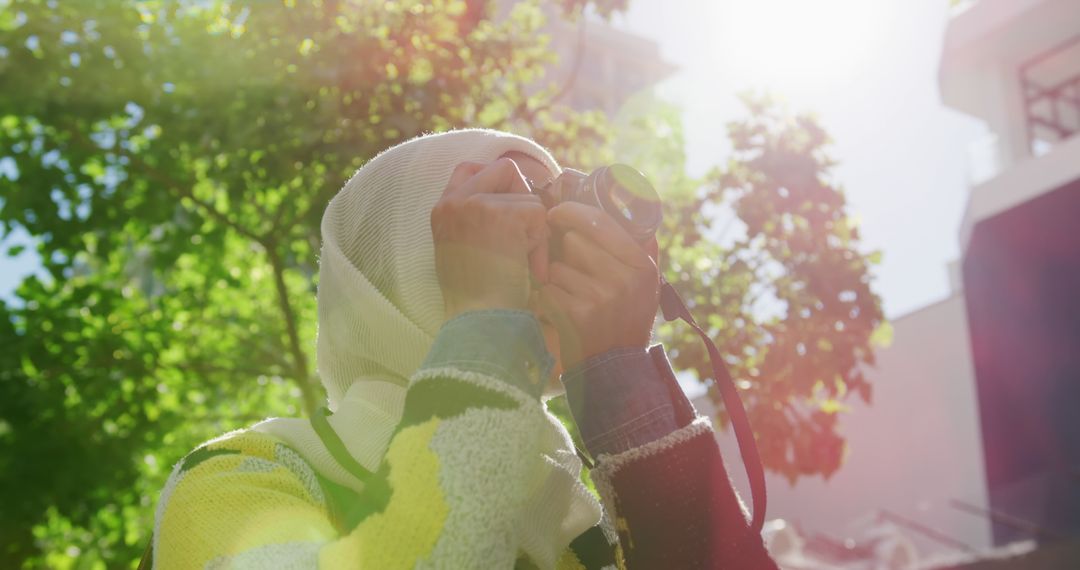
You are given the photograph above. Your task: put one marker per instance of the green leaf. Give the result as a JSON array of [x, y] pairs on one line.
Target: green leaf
[[882, 336]]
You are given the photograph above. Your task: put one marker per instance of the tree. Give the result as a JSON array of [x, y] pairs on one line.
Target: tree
[[767, 257], [172, 160]]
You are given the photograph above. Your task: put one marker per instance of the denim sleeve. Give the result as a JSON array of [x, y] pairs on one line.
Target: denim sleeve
[[619, 401], [502, 343]]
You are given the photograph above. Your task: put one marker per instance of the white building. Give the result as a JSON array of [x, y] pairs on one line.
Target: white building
[[601, 65], [973, 439], [1016, 65], [598, 66]]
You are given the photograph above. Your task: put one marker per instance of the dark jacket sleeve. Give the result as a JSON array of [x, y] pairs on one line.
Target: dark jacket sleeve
[[670, 500]]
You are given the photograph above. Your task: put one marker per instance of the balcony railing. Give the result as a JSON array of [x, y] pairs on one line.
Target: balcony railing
[[1050, 85]]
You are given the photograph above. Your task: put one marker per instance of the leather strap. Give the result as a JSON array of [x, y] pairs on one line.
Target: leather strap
[[673, 307]]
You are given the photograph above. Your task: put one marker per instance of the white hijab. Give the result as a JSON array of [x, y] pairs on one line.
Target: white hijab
[[380, 305]]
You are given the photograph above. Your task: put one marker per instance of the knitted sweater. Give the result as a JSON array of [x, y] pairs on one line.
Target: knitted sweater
[[463, 467]]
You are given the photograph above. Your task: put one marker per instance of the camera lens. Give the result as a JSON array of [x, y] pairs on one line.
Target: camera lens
[[626, 195]]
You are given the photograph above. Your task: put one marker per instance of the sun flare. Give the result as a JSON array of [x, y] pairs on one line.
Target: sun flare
[[785, 43]]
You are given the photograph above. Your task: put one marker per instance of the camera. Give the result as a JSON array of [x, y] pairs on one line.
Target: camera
[[619, 190]]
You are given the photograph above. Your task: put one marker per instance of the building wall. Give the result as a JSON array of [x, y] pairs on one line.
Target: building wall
[[598, 66], [1022, 277], [614, 64], [917, 447]]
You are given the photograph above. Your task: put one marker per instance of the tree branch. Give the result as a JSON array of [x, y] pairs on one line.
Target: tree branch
[[300, 366], [185, 192], [524, 112], [163, 179]]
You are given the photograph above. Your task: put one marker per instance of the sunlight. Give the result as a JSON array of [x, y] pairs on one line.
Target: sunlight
[[791, 44]]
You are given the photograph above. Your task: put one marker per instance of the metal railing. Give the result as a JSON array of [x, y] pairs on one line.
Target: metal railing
[[1052, 111]]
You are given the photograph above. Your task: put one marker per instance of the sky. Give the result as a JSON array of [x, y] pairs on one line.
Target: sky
[[868, 69]]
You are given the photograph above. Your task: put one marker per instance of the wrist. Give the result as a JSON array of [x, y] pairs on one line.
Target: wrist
[[504, 344], [619, 400], [576, 357], [581, 368]]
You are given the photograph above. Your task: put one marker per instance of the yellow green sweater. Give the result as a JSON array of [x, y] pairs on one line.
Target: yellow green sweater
[[460, 473]]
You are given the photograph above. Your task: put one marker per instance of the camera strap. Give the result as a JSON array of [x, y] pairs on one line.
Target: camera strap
[[673, 307]]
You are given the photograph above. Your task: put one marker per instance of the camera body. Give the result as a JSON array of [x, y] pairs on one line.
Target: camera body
[[618, 190]]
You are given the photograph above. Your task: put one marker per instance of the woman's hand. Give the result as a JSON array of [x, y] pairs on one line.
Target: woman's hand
[[489, 231], [604, 291]]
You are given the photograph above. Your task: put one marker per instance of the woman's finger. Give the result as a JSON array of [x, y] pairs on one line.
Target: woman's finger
[[573, 281], [652, 247], [501, 176], [462, 173], [539, 258], [506, 198], [601, 229], [584, 255], [563, 310], [526, 213], [558, 306]]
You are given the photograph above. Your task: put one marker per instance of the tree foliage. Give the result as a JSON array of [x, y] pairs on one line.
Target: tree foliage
[[766, 255], [172, 159]]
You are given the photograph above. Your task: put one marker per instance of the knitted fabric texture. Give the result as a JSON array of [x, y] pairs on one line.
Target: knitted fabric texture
[[247, 501]]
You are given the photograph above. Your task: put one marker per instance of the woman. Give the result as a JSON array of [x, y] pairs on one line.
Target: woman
[[439, 315]]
